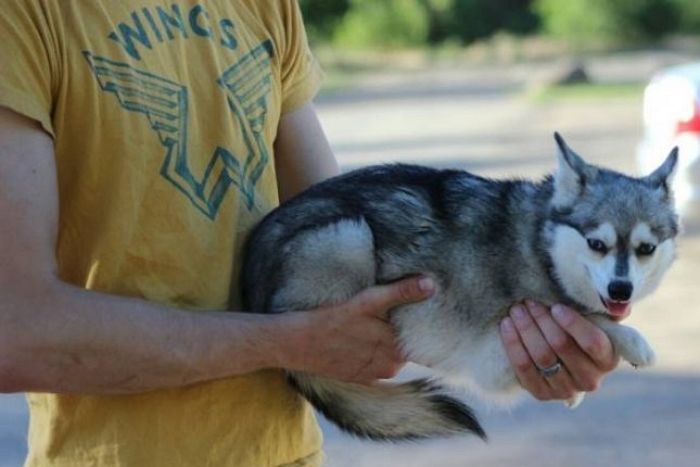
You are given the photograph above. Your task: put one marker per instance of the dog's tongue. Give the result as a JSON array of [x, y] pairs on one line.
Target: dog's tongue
[[618, 310]]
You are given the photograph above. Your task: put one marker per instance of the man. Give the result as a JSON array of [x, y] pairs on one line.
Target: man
[[139, 142]]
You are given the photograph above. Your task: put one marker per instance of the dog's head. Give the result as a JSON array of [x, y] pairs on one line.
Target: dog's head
[[611, 237]]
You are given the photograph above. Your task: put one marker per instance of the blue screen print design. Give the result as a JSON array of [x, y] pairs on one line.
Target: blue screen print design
[[246, 84]]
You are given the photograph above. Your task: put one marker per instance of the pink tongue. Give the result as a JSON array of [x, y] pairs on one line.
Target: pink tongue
[[618, 308]]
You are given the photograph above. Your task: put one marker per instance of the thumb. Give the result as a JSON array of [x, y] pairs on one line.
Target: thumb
[[379, 299]]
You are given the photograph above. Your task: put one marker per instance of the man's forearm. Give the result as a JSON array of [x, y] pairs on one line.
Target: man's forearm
[[65, 339]]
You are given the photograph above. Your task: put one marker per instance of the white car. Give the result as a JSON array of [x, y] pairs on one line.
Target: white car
[[672, 118]]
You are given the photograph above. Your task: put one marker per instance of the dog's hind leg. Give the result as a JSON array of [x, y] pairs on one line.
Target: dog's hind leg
[[330, 264], [326, 265]]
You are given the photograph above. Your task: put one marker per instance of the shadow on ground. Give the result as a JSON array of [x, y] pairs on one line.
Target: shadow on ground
[[637, 419]]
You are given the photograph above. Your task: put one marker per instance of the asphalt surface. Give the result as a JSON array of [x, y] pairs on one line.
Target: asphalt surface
[[482, 119]]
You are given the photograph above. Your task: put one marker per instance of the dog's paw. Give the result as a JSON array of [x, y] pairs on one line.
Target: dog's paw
[[575, 401], [634, 348], [644, 358], [627, 341]]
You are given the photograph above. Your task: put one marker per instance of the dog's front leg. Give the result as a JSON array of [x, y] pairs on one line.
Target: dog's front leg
[[628, 342]]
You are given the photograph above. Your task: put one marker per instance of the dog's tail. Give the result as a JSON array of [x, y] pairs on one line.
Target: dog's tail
[[388, 412]]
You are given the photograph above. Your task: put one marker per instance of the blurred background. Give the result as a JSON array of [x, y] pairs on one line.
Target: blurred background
[[482, 85]]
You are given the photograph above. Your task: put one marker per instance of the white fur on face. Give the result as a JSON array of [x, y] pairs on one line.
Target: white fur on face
[[605, 233], [602, 267], [646, 271], [585, 274], [581, 271]]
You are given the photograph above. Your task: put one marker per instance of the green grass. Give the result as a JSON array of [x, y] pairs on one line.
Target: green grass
[[347, 68], [589, 91]]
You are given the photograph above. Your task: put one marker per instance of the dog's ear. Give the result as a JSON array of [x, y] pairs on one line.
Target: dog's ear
[[662, 176], [572, 175]]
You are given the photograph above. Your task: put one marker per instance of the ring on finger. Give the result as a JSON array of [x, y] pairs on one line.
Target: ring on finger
[[550, 370]]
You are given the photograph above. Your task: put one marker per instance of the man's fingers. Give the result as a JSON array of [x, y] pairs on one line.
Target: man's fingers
[[379, 299], [578, 364], [537, 345], [520, 360], [589, 337]]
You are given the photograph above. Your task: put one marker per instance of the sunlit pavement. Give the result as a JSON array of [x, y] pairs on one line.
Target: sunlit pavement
[[482, 120]]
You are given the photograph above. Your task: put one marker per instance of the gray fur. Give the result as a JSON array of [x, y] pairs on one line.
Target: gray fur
[[487, 243]]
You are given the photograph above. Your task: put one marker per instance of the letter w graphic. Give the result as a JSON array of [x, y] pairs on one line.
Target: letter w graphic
[[247, 84]]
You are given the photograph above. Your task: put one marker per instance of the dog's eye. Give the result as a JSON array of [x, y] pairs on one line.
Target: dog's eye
[[597, 245], [645, 249]]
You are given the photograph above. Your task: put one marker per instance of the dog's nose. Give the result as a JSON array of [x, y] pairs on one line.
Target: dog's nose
[[620, 291]]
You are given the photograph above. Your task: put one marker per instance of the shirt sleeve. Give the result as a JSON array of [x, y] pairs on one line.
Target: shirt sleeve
[[26, 71], [301, 73]]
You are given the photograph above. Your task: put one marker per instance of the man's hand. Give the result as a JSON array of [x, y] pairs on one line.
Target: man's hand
[[536, 337], [353, 341]]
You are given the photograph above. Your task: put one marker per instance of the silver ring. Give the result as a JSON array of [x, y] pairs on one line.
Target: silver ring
[[550, 370]]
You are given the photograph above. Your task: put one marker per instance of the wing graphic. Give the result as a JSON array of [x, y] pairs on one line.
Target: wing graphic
[[165, 105], [248, 83]]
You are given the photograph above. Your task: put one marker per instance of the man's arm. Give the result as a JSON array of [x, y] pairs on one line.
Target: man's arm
[[55, 337], [302, 153]]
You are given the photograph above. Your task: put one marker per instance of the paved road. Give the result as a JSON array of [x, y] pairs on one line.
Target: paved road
[[13, 426], [637, 419], [478, 119]]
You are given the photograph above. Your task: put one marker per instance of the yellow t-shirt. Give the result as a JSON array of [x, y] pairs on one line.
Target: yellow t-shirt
[[163, 116]]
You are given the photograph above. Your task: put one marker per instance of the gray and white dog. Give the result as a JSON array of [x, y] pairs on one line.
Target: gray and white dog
[[588, 237]]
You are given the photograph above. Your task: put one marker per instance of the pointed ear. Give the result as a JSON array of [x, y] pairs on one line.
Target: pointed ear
[[572, 174], [661, 177]]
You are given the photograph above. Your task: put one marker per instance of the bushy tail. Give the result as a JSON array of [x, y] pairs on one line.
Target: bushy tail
[[388, 412]]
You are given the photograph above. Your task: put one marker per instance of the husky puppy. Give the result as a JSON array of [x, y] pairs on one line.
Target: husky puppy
[[588, 237]]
